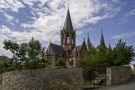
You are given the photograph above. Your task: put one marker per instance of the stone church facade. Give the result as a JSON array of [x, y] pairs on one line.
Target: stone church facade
[[67, 50]]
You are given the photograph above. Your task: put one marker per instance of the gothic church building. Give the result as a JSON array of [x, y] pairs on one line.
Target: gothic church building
[[67, 50]]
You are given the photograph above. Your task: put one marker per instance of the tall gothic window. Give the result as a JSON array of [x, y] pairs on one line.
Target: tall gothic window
[[68, 38]]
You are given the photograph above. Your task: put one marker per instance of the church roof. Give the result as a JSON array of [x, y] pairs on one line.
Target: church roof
[[68, 23], [54, 49]]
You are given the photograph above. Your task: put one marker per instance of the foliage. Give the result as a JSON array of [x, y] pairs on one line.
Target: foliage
[[60, 63], [25, 55], [123, 54], [94, 63]]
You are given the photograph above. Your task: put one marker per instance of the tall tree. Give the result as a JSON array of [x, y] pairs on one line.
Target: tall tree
[[123, 54]]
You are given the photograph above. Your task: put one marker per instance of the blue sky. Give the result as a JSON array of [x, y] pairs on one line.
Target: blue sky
[[43, 19]]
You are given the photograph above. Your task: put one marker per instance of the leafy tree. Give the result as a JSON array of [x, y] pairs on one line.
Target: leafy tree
[[95, 63], [34, 49], [123, 54], [25, 55], [12, 46]]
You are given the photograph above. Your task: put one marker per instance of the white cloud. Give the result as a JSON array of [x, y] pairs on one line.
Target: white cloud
[[4, 52], [132, 12], [13, 5], [116, 1], [48, 21], [124, 35], [51, 18], [5, 30], [9, 17]]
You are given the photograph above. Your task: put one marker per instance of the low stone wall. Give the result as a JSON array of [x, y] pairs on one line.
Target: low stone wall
[[134, 68], [118, 74], [40, 79]]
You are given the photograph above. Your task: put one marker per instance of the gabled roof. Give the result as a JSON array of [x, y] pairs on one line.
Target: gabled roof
[[68, 23], [54, 49]]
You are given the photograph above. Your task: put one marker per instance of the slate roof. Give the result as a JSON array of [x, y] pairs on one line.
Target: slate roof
[[68, 23], [54, 49]]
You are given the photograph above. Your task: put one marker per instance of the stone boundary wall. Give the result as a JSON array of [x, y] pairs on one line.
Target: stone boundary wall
[[134, 68], [41, 79], [116, 75]]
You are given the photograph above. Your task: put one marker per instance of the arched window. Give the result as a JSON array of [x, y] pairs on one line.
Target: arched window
[[72, 41], [68, 40]]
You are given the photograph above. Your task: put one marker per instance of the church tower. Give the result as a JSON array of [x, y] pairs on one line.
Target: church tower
[[68, 34]]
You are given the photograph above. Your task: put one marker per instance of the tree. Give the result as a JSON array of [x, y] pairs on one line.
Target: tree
[[123, 54], [12, 46], [95, 63], [34, 49], [25, 55]]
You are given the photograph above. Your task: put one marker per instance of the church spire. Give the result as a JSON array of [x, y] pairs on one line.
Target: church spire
[[88, 41], [68, 23], [89, 44], [110, 45], [102, 42], [84, 44]]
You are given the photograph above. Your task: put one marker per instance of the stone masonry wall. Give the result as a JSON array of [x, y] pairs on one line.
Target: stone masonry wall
[[118, 74], [134, 68], [40, 79]]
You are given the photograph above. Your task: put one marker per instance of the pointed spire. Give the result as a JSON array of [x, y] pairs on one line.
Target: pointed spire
[[84, 44], [68, 23], [110, 45], [102, 42], [88, 41], [89, 44]]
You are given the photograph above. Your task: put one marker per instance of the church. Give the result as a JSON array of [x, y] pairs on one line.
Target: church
[[67, 50]]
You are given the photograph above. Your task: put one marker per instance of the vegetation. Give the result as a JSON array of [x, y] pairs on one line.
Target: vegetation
[[30, 56], [25, 56], [94, 63]]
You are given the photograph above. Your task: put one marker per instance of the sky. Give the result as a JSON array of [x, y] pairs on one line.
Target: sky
[[20, 20]]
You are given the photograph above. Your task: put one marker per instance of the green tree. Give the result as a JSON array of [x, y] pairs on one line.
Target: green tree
[[95, 63], [123, 54], [25, 55], [34, 49], [12, 46]]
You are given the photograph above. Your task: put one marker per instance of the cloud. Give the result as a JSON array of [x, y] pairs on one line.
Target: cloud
[[116, 1], [47, 17], [13, 5], [132, 12], [5, 30], [124, 35], [51, 18]]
